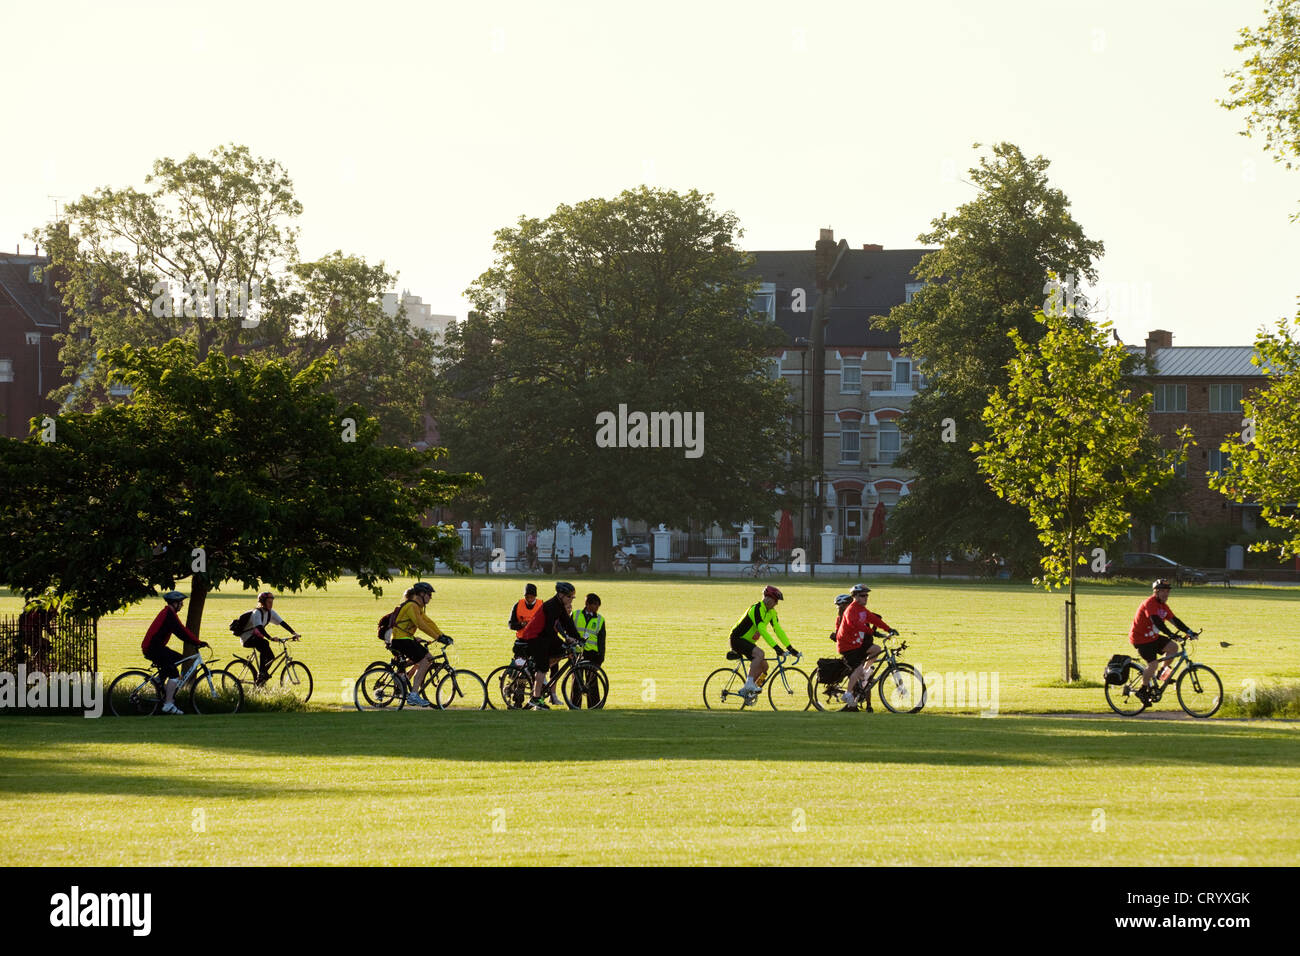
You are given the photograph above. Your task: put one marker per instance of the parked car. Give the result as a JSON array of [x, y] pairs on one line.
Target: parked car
[[1144, 564]]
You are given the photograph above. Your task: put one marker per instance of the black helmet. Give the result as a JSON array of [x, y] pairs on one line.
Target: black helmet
[[1159, 583], [422, 587], [860, 589], [564, 587]]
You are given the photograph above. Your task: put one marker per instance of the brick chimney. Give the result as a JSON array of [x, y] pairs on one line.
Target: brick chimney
[[872, 247], [1158, 339], [824, 256]]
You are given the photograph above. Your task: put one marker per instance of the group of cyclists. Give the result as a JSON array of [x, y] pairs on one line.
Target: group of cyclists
[[546, 630]]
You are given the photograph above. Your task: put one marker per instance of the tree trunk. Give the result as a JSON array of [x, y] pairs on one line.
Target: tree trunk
[[198, 597], [602, 545]]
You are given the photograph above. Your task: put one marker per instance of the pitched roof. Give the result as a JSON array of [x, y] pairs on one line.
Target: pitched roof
[[29, 296], [1220, 361], [876, 282]]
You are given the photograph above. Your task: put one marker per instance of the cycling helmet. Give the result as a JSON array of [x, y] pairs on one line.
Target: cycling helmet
[[860, 589], [564, 587], [261, 598], [843, 600], [1159, 583], [771, 591], [422, 587], [172, 596]]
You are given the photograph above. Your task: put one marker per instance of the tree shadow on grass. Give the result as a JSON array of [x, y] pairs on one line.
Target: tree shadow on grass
[[632, 735]]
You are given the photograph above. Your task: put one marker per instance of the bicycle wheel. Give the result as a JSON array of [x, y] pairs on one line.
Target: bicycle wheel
[[584, 684], [902, 690], [461, 690], [243, 671], [296, 679], [1200, 691], [825, 696], [514, 686], [379, 688], [134, 694], [789, 690], [722, 690], [216, 692], [1123, 697]]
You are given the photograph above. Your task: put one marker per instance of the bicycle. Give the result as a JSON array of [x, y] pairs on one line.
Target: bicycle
[[1200, 692], [788, 687], [624, 562], [140, 693], [294, 675], [759, 568], [384, 683], [901, 687], [577, 680]]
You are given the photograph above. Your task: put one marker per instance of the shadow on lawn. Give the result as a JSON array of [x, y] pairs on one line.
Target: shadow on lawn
[[495, 736]]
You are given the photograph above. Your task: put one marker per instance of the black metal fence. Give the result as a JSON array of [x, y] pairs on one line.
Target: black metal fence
[[49, 643]]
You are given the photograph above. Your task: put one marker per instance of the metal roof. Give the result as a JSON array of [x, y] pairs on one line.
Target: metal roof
[[1197, 361]]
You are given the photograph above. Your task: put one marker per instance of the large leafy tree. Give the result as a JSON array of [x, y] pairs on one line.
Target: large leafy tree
[[227, 469], [639, 301], [135, 267], [1069, 444], [1264, 467], [1267, 86], [986, 279]]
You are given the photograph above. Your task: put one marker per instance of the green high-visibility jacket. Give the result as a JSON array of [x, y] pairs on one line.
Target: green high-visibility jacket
[[592, 631], [755, 622]]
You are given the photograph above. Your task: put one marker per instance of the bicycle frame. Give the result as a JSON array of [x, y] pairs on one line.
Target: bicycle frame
[[742, 671], [278, 663]]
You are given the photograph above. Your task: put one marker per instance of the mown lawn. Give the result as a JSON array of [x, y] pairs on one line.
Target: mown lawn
[[656, 778]]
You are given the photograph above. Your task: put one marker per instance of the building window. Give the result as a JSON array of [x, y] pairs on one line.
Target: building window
[[1219, 460], [776, 368], [910, 290], [1171, 398], [851, 376], [850, 444], [6, 370], [902, 374], [1225, 398], [891, 441], [765, 300], [1176, 519], [1180, 469]]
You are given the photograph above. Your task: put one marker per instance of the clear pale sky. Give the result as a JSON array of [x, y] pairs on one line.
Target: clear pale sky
[[413, 131]]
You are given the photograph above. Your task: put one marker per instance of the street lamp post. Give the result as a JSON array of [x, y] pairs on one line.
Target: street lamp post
[[803, 344]]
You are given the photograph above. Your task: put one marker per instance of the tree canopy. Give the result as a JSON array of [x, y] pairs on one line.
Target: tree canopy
[[227, 469], [608, 309], [208, 254], [986, 279], [1264, 465], [1070, 444], [1267, 86]]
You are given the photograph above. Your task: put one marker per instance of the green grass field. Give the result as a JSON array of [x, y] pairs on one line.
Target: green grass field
[[656, 778]]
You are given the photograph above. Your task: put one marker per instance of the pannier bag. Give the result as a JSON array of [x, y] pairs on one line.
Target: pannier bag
[[831, 670], [1117, 669]]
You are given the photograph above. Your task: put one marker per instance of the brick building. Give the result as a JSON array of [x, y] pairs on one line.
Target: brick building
[[868, 381], [30, 315], [1202, 387]]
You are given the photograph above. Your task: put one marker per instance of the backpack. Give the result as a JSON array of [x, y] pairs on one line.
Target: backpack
[[240, 624], [1117, 669], [832, 670], [386, 624]]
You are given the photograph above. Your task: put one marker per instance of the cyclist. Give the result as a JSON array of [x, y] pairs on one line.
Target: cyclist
[[755, 622], [154, 646], [591, 627], [855, 639], [521, 614], [1153, 646], [544, 641], [408, 619], [254, 634], [842, 601]]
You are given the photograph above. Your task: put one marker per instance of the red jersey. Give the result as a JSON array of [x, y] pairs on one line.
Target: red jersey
[[163, 627], [1144, 630], [856, 624]]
